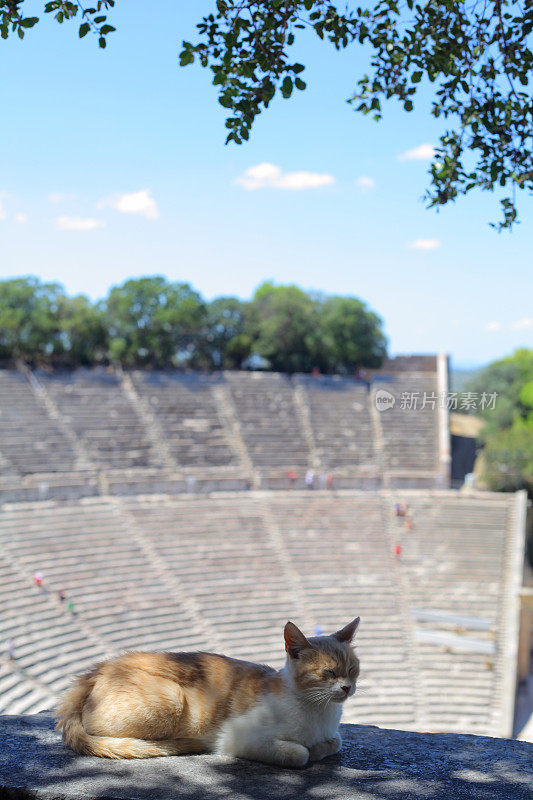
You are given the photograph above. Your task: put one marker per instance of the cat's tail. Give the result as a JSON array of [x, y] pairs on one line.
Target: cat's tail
[[69, 722]]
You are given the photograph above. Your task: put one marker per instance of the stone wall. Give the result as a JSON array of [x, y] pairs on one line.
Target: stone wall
[[374, 764]]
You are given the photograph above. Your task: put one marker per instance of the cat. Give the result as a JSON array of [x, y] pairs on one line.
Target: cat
[[154, 704]]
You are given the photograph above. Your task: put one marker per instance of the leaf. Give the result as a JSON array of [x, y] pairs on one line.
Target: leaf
[[84, 29], [29, 22], [186, 57], [300, 84], [102, 42], [286, 87], [416, 77]]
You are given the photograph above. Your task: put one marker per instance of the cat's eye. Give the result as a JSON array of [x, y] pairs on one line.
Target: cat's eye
[[329, 673]]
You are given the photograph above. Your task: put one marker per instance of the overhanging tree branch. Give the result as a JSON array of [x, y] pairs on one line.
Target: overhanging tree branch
[[475, 55]]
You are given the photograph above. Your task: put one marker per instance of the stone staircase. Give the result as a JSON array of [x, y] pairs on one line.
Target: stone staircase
[[225, 572]]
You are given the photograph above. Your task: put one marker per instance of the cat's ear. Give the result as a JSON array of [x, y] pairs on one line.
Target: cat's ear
[[347, 633], [295, 641]]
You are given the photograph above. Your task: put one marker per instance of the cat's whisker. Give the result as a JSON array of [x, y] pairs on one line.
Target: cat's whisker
[[316, 698]]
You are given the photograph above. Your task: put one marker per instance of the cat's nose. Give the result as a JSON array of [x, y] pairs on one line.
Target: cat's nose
[[346, 689]]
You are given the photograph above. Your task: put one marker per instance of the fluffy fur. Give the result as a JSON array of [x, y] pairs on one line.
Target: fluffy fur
[[154, 704]]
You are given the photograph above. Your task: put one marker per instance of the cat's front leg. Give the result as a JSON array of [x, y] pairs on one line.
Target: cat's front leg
[[290, 754], [326, 748], [278, 752]]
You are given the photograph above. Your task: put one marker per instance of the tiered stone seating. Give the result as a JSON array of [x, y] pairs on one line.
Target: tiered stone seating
[[268, 420], [93, 404], [193, 480], [340, 419], [410, 434], [49, 645], [48, 486], [30, 441], [225, 572], [222, 555], [453, 563], [184, 407], [252, 425], [339, 549], [89, 551]]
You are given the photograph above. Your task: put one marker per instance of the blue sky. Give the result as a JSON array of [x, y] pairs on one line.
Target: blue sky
[[113, 164]]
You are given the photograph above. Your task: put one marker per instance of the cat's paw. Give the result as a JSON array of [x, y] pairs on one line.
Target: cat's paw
[[335, 744], [326, 748], [294, 754]]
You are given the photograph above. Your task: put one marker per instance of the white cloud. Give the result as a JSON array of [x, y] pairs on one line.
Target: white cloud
[[366, 183], [3, 214], [269, 176], [78, 223], [494, 326], [522, 324], [421, 153], [21, 218], [58, 197], [141, 203], [425, 244]]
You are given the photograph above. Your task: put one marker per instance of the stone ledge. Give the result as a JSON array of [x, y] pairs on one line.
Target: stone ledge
[[374, 764]]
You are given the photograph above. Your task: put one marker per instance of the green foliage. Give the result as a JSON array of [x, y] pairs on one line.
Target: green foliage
[[352, 335], [151, 322], [508, 458], [228, 340], [508, 377], [297, 332], [283, 322], [12, 19], [29, 319], [84, 333], [475, 56], [41, 325], [508, 432]]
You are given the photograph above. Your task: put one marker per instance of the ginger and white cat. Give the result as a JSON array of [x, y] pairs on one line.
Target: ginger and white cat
[[155, 704]]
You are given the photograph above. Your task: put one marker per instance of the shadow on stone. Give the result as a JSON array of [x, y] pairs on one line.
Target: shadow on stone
[[374, 764]]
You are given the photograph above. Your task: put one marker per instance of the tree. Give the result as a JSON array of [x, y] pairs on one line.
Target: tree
[[508, 377], [351, 334], [283, 322], [30, 320], [151, 321], [227, 339], [296, 331], [476, 56], [12, 19], [84, 333], [507, 459]]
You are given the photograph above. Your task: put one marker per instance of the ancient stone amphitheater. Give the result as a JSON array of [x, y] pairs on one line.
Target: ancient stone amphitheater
[[160, 504]]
